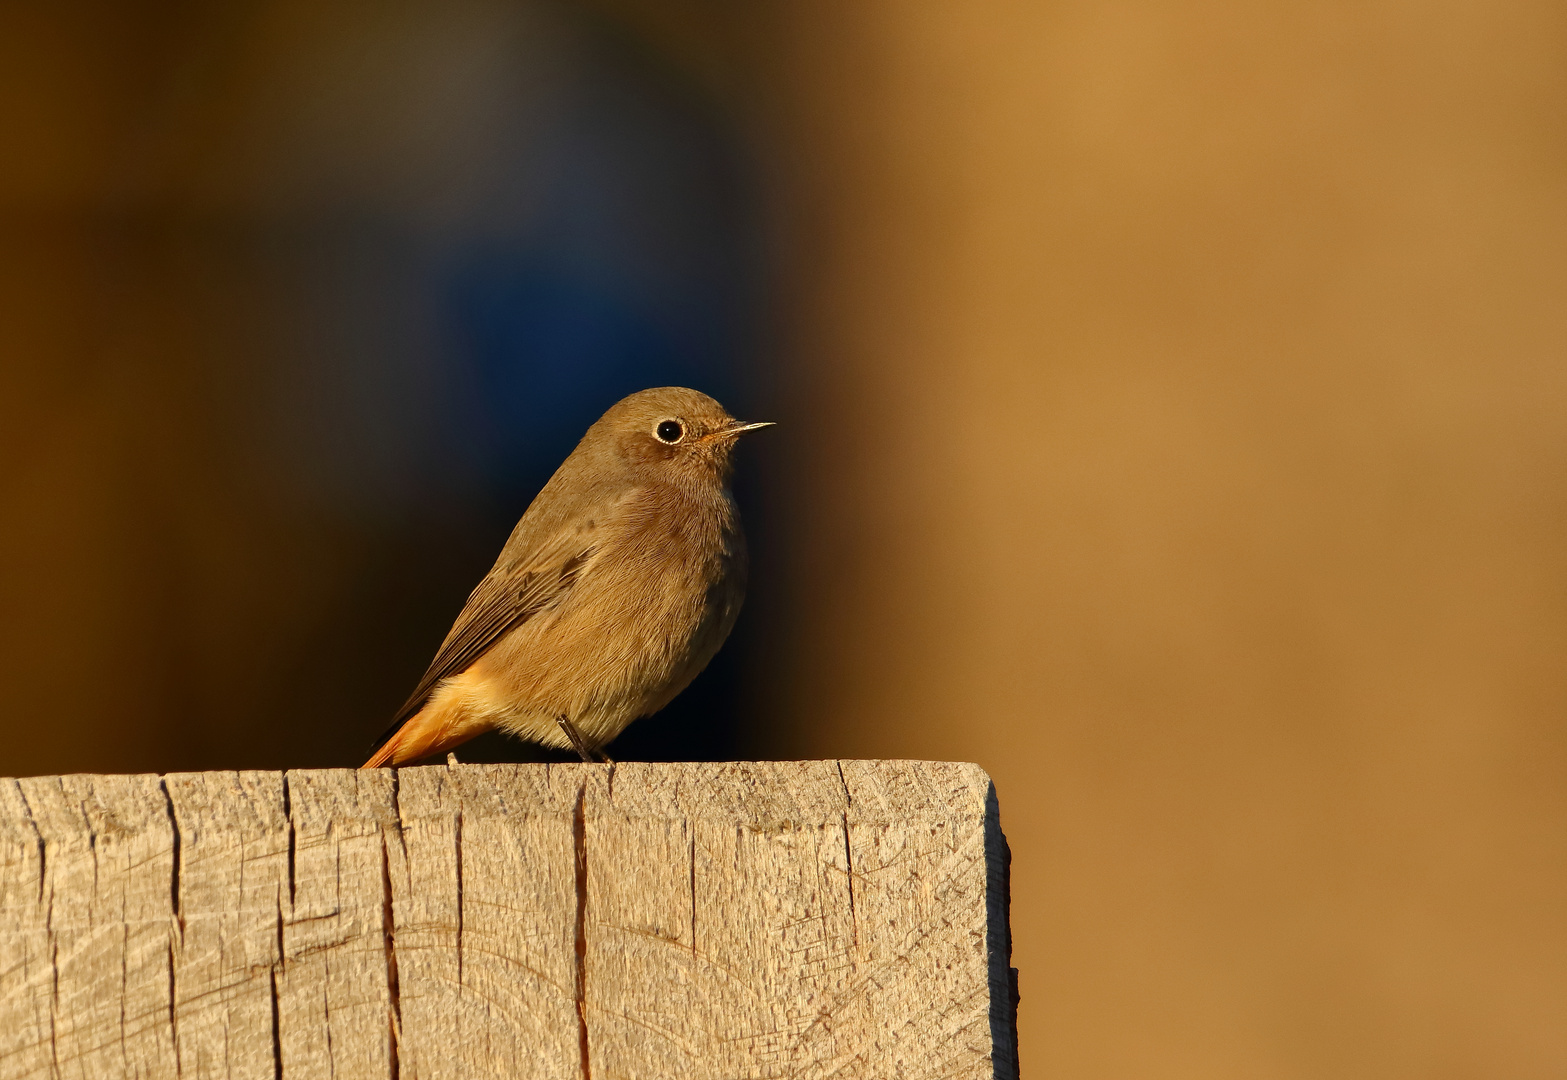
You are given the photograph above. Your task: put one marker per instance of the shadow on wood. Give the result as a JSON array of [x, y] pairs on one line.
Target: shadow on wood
[[769, 919]]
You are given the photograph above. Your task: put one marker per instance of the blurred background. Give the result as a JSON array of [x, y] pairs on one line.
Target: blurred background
[[1174, 421]]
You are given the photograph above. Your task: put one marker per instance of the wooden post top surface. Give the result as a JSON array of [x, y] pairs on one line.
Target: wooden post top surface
[[693, 920]]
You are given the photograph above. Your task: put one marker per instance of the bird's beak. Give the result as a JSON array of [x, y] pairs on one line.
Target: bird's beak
[[738, 427]]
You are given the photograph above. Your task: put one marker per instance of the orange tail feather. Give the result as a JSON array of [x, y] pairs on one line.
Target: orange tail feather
[[414, 743], [445, 723]]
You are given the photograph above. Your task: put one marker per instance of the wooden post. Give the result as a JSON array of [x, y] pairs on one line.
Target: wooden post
[[767, 919]]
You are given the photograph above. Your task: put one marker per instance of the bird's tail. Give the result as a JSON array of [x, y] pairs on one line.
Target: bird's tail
[[445, 723]]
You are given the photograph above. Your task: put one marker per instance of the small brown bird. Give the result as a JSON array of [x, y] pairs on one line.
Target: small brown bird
[[615, 589]]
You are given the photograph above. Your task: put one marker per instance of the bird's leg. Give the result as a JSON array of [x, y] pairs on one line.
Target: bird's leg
[[578, 743], [585, 750]]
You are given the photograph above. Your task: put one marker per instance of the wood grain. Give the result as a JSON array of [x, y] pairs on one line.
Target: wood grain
[[763, 920]]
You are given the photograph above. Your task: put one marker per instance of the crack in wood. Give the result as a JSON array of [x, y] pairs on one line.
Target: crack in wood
[[174, 874], [43, 854], [579, 843], [848, 869], [691, 831], [277, 1037], [174, 1020], [125, 942], [848, 860], [177, 921], [459, 900], [54, 1001], [389, 943], [92, 841], [326, 1015], [282, 954], [288, 817]]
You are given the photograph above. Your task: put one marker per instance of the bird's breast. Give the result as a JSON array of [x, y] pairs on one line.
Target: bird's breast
[[645, 615]]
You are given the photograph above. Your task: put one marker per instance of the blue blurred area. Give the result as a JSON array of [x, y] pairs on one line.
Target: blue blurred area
[[629, 263], [576, 224], [549, 351], [323, 294], [612, 249], [453, 304]]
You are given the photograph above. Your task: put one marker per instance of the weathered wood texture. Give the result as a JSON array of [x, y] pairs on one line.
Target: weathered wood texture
[[784, 919]]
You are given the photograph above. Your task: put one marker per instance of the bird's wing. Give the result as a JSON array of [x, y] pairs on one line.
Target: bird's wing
[[506, 598]]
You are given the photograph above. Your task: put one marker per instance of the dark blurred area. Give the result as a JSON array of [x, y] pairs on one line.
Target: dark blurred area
[[302, 304], [1173, 402]]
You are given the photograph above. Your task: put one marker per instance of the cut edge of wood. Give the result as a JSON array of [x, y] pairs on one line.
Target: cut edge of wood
[[870, 789]]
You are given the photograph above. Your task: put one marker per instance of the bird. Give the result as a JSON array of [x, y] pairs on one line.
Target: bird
[[618, 585]]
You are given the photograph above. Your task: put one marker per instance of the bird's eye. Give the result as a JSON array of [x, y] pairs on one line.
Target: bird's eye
[[669, 431]]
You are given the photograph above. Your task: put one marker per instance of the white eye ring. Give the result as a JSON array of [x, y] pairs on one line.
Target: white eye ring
[[669, 431]]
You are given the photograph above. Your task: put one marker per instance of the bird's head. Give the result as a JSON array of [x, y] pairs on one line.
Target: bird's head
[[674, 434]]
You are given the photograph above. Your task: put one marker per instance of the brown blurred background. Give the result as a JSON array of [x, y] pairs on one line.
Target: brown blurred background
[[1175, 423]]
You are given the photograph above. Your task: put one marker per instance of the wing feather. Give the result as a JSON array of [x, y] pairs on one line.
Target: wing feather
[[507, 597]]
